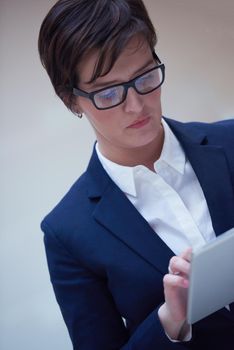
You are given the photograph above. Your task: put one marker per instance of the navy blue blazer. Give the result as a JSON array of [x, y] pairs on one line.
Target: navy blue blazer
[[107, 264]]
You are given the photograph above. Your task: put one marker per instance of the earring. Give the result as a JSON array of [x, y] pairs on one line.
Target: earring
[[79, 115]]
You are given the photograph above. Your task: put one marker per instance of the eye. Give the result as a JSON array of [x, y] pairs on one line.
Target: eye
[[148, 81], [107, 94], [146, 78]]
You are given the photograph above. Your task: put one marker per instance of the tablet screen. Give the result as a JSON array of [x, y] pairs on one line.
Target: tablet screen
[[211, 285]]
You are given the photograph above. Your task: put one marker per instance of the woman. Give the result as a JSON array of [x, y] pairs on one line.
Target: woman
[[119, 243]]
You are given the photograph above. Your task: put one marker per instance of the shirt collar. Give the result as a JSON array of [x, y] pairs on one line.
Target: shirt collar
[[172, 153], [124, 176]]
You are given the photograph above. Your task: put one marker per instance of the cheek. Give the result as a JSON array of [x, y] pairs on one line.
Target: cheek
[[100, 120], [154, 99], [87, 107], [97, 117]]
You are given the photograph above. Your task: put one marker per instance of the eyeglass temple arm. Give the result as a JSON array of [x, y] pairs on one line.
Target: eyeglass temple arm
[[78, 92], [156, 56]]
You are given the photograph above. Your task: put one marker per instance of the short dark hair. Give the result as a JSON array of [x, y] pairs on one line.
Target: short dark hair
[[72, 28]]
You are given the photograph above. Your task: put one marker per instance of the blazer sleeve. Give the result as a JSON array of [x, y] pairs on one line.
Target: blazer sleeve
[[89, 311]]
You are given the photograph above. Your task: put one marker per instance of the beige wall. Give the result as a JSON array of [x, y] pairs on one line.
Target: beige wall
[[196, 42], [43, 148]]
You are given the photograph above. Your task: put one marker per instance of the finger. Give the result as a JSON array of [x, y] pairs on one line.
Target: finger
[[174, 281], [179, 265], [187, 254], [175, 292]]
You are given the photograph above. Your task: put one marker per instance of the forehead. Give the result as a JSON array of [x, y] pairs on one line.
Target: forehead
[[136, 53]]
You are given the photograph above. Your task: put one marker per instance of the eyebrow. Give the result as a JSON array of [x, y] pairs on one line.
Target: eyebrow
[[113, 82]]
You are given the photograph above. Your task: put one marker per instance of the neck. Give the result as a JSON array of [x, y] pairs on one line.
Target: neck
[[145, 155]]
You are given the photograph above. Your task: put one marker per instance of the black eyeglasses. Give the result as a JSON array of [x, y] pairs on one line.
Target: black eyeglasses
[[114, 95]]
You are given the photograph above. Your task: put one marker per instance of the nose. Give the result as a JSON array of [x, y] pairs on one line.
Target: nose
[[134, 102]]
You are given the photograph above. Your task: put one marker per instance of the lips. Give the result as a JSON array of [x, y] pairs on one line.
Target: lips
[[139, 123]]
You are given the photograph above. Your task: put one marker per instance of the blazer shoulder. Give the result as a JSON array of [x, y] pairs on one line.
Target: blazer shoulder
[[219, 132], [70, 204], [221, 126]]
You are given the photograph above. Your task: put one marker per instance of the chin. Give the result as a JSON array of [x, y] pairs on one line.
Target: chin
[[144, 142]]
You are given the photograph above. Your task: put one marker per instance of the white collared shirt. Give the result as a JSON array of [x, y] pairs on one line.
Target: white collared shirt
[[170, 199]]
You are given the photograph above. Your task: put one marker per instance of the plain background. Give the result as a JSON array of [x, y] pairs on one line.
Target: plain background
[[44, 148]]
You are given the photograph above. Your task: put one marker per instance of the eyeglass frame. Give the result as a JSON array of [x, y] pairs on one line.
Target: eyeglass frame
[[126, 85]]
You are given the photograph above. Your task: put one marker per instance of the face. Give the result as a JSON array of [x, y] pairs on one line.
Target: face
[[134, 124]]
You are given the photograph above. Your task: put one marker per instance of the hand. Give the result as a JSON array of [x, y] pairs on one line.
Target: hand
[[173, 312]]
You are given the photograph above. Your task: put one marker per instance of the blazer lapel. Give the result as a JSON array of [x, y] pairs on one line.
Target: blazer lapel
[[125, 222], [210, 165], [117, 214]]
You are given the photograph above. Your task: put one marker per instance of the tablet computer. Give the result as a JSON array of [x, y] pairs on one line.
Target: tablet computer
[[211, 282]]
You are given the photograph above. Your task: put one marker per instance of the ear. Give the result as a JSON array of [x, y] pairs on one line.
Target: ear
[[76, 108], [71, 102]]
